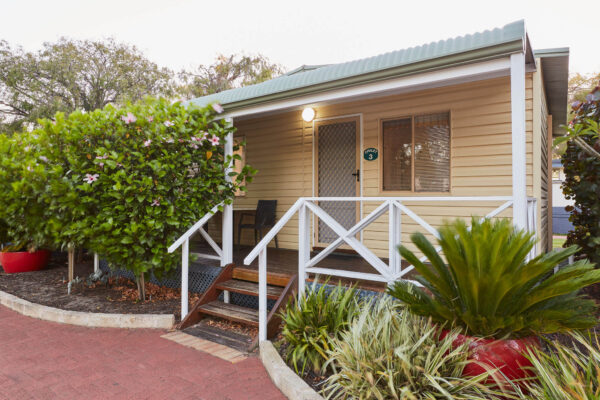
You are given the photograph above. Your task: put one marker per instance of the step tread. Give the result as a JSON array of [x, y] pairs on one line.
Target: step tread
[[251, 275], [249, 288], [230, 312]]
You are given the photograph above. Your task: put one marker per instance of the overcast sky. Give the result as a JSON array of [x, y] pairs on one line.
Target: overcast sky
[[184, 33]]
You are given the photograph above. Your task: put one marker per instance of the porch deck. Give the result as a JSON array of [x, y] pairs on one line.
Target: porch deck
[[285, 262]]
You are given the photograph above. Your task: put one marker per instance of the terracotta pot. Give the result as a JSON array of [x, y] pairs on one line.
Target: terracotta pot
[[23, 261], [506, 355]]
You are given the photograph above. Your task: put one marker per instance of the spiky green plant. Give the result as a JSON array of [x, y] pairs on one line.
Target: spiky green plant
[[567, 372], [389, 353], [487, 286], [310, 323]]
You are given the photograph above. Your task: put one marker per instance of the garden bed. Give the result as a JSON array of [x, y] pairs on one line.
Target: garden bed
[[49, 287]]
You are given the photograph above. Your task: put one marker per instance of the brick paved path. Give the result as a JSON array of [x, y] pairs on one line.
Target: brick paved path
[[45, 360]]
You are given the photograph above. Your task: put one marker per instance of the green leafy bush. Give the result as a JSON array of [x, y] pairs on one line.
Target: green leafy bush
[[567, 372], [487, 286], [389, 353], [310, 323], [127, 182], [23, 211], [581, 163]]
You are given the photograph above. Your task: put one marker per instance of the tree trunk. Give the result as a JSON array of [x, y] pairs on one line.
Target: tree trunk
[[141, 286], [71, 260]]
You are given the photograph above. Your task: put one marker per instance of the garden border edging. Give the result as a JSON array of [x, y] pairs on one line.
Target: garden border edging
[[291, 385], [91, 320]]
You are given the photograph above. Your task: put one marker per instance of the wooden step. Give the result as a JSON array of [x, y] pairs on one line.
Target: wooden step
[[249, 288], [230, 312], [251, 275]]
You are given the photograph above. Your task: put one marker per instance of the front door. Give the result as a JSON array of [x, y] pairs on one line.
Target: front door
[[337, 173]]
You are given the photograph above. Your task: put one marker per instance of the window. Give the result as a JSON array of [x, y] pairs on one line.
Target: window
[[416, 153]]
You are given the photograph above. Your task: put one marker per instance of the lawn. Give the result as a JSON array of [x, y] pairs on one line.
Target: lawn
[[558, 241]]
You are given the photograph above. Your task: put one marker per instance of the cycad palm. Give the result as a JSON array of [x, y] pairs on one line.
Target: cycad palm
[[487, 286]]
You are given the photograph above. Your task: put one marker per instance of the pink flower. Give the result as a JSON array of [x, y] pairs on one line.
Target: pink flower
[[218, 108], [168, 123], [89, 178], [150, 119], [214, 140], [147, 143], [104, 157], [29, 168], [204, 134], [193, 145], [129, 118], [155, 203], [44, 158], [101, 165], [169, 140]]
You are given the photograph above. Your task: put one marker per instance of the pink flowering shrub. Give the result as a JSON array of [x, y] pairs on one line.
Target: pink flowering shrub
[[128, 182]]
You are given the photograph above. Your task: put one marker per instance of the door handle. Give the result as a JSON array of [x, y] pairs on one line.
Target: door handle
[[357, 175]]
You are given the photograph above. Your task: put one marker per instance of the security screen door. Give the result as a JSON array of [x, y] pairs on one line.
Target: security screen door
[[337, 173]]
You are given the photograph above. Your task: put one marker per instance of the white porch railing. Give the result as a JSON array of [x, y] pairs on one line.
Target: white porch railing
[[386, 272], [184, 242]]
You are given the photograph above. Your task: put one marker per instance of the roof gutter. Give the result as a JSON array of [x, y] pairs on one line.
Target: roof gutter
[[484, 54]]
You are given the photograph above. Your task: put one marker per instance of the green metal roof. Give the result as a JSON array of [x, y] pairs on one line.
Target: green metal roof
[[489, 44]]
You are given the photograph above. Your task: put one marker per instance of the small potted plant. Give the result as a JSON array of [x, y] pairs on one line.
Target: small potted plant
[[485, 284]]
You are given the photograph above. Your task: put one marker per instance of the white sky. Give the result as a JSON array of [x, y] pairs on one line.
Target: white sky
[[184, 33]]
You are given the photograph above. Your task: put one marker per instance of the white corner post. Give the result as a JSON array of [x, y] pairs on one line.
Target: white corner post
[[185, 269], [96, 263], [227, 223], [228, 208], [519, 164]]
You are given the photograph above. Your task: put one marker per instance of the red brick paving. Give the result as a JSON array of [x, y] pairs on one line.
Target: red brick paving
[[46, 360]]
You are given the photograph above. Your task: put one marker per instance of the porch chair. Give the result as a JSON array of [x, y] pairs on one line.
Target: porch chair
[[264, 217]]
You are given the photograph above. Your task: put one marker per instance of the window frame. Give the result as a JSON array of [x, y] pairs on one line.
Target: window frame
[[412, 181]]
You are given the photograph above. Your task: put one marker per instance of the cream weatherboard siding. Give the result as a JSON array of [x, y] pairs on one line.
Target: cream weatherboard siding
[[280, 147]]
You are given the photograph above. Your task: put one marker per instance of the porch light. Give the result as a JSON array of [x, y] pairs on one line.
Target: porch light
[[308, 114]]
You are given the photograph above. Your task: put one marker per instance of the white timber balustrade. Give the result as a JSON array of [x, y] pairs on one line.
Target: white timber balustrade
[[389, 272]]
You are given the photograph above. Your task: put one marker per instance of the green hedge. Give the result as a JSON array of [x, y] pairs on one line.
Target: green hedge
[[124, 183]]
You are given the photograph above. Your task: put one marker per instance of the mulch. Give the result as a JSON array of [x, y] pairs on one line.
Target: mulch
[[49, 287]]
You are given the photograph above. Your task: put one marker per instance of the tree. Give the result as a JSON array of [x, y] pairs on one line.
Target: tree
[[227, 72], [73, 74], [582, 84]]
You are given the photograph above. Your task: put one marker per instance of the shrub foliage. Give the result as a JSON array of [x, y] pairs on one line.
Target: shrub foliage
[[310, 323], [389, 353], [487, 286], [124, 182], [581, 163]]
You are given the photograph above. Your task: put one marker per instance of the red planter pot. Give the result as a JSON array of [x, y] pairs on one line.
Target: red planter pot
[[23, 261], [506, 355]]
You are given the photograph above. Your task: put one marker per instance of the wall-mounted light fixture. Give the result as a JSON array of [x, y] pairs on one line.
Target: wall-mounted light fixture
[[308, 114]]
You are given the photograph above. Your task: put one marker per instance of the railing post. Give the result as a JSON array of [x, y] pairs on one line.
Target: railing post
[[303, 245], [185, 259], [262, 295], [395, 236]]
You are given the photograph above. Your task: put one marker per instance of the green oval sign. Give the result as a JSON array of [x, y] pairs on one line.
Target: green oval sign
[[371, 154]]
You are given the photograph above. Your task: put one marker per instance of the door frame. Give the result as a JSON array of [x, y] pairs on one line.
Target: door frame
[[358, 117]]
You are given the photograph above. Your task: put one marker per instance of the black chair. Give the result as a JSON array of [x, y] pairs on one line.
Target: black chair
[[264, 217]]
